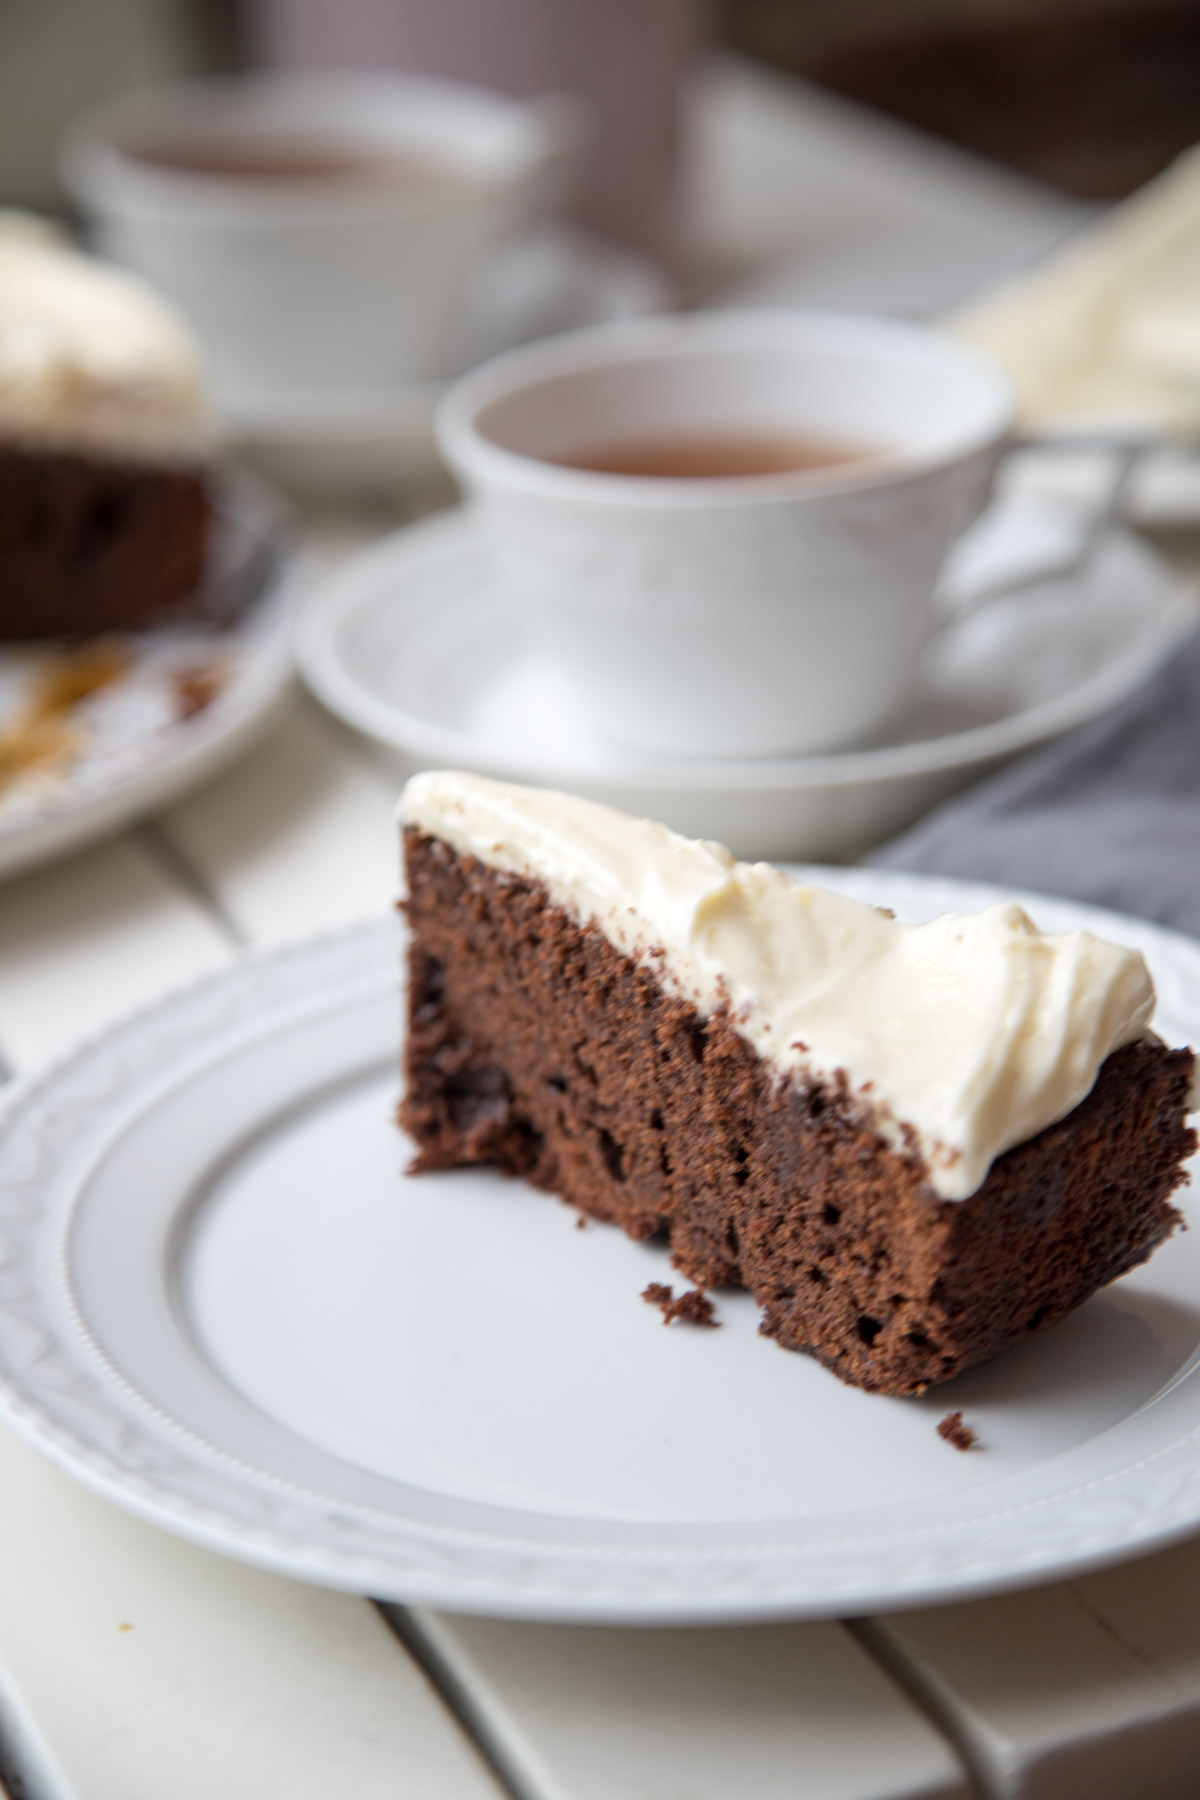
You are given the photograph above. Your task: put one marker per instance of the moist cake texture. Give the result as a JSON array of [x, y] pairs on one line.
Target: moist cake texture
[[593, 1003], [105, 438]]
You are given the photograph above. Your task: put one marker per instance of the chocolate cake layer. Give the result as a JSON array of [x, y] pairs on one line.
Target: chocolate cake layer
[[536, 1045], [92, 544]]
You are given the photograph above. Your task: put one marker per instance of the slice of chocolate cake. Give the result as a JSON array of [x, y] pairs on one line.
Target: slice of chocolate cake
[[915, 1145], [104, 435]]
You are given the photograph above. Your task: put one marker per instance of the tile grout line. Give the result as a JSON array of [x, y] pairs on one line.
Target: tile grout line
[[457, 1698], [27, 1767], [175, 866], [874, 1639], [20, 1781]]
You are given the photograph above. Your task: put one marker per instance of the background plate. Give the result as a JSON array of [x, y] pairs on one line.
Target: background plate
[[223, 1306], [190, 696]]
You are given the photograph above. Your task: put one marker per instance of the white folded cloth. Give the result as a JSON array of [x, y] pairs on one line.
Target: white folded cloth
[[1109, 329]]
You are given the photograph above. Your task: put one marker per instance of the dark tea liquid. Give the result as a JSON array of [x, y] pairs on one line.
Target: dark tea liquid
[[297, 159], [716, 455]]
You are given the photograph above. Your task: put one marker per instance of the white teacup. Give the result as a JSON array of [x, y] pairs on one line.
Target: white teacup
[[321, 231], [738, 615]]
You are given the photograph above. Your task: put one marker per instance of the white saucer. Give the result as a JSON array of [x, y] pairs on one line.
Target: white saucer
[[372, 443], [192, 696], [225, 1308], [412, 644]]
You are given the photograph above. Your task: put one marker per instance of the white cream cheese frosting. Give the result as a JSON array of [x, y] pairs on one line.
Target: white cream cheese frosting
[[969, 1034], [91, 358]]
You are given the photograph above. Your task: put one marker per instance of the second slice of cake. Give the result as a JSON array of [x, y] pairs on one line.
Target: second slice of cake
[[915, 1145], [105, 445]]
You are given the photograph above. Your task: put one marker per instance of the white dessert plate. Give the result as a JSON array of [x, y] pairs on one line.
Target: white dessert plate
[[225, 1307], [412, 644], [328, 446], [95, 735]]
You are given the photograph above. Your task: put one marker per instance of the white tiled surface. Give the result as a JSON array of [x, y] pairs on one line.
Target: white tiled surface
[[295, 838], [233, 1683], [134, 1667], [757, 1713], [94, 935], [1088, 1688]]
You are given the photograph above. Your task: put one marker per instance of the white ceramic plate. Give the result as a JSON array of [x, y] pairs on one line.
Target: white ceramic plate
[[189, 698], [323, 446], [225, 1307], [412, 644]]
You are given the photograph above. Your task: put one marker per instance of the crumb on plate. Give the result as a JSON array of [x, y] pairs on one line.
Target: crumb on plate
[[955, 1431], [694, 1306]]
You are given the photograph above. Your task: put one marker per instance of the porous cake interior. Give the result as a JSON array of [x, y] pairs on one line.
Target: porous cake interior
[[536, 1045]]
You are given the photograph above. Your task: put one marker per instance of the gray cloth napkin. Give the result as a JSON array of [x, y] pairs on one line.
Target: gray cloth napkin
[[1109, 814]]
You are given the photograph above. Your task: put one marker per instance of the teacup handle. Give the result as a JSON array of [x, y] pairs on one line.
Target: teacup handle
[[1125, 450]]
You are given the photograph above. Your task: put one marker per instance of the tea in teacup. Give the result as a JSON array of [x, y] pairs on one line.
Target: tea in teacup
[[716, 455]]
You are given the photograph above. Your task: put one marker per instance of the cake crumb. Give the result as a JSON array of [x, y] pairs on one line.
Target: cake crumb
[[694, 1306], [956, 1432], [581, 1222]]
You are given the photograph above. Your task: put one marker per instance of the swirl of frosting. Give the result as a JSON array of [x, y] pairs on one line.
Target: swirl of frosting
[[90, 357]]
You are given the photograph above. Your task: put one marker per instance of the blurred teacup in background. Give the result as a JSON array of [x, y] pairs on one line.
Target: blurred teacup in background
[[627, 63], [730, 528], [321, 231]]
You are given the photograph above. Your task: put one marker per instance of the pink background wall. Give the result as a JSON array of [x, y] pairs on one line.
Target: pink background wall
[[624, 58]]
